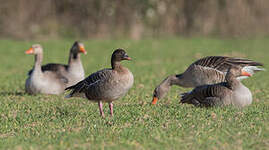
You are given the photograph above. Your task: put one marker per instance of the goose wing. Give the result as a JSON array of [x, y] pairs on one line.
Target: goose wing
[[223, 63], [206, 95], [92, 82], [51, 67]]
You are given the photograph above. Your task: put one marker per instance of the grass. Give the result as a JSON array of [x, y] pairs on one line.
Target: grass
[[52, 122]]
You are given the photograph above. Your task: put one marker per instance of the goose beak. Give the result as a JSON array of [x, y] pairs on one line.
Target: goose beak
[[126, 57], [154, 100], [244, 73], [82, 50], [29, 51]]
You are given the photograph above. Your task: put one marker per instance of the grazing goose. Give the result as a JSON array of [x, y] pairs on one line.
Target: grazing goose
[[73, 71], [46, 82], [208, 70], [106, 85], [231, 92]]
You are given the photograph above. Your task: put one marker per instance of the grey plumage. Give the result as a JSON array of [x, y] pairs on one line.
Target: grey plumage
[[206, 95], [208, 70], [52, 67], [73, 71], [231, 92], [222, 63], [46, 82]]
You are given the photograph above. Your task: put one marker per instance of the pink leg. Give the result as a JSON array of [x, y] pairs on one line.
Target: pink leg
[[101, 109], [111, 108]]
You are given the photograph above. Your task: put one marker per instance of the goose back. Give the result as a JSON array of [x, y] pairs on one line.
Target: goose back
[[208, 95], [59, 68], [197, 75]]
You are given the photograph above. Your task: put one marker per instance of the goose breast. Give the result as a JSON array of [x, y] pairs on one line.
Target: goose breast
[[242, 96]]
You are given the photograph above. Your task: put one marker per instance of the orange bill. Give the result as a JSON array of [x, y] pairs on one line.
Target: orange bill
[[154, 100], [29, 51], [244, 73], [128, 58], [82, 50]]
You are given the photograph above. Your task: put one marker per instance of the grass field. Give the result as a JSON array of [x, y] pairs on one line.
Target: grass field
[[52, 122]]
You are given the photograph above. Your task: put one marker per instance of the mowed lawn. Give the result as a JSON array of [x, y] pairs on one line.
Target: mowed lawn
[[52, 122]]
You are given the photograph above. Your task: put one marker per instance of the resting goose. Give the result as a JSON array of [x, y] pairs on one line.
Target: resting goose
[[208, 70], [43, 81], [73, 71], [231, 92], [106, 85]]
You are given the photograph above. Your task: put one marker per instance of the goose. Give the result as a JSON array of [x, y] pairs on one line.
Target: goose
[[106, 85], [43, 81], [207, 70], [73, 71], [230, 92]]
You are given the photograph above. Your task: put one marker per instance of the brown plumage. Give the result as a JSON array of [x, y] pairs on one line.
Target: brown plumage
[[208, 70], [107, 84]]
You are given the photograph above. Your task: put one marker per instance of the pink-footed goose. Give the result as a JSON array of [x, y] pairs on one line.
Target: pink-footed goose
[[230, 92], [106, 85], [73, 71], [46, 82], [207, 70]]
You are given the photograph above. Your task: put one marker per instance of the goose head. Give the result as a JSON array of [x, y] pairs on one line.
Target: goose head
[[236, 71], [35, 49], [160, 91], [119, 55], [78, 47]]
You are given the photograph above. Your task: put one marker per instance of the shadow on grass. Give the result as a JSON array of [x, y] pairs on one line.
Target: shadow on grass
[[12, 93]]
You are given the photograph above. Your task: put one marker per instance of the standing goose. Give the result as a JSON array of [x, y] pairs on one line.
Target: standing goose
[[106, 85], [208, 70], [231, 92], [39, 81], [73, 71]]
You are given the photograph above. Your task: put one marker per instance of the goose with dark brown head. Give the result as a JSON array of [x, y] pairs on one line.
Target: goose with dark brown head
[[106, 85]]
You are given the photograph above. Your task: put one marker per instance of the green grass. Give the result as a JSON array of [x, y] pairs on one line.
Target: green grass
[[52, 122]]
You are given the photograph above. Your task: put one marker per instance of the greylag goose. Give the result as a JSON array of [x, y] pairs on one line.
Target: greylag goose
[[106, 85], [73, 71], [231, 92], [208, 70], [46, 82]]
